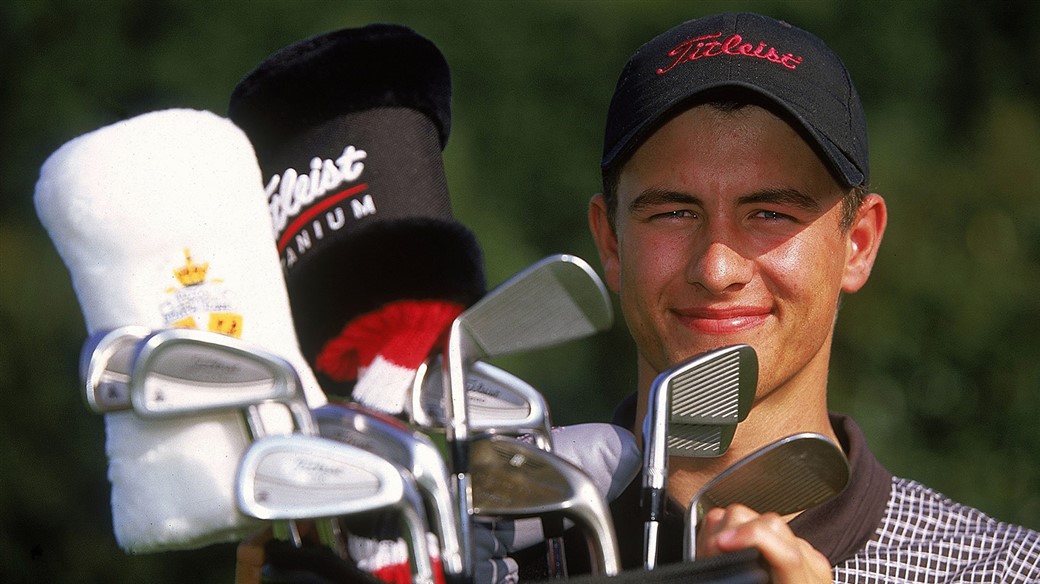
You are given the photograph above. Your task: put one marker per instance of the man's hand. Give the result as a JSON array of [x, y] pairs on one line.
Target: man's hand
[[791, 559], [250, 558]]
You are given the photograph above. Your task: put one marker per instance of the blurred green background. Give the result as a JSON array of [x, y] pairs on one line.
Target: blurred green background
[[938, 357]]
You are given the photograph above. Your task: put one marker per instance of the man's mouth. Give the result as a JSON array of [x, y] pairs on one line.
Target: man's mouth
[[722, 321]]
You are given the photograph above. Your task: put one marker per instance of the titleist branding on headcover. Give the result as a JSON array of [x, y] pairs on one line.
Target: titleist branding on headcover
[[302, 208], [709, 46]]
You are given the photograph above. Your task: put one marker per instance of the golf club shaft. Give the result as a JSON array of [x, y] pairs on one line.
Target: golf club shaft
[[457, 434], [650, 544]]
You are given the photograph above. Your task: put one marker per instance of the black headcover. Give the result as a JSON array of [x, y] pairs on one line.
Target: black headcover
[[349, 129]]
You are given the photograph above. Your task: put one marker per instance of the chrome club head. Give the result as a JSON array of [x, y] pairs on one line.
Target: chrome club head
[[389, 438], [716, 386], [179, 372], [787, 476], [516, 479], [498, 401], [307, 477]]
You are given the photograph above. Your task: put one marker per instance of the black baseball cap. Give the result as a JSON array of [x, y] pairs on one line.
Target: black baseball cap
[[788, 66]]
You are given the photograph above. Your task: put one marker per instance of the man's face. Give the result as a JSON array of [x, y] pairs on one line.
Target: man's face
[[728, 231]]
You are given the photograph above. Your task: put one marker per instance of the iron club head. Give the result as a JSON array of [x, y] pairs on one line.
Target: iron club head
[[555, 300], [178, 372], [716, 386], [307, 477], [105, 367], [517, 479], [787, 476], [388, 437], [498, 401]]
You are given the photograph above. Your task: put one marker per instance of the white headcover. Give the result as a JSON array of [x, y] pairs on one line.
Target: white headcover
[[162, 222]]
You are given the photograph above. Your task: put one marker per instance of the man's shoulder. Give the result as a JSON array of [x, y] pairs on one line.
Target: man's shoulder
[[915, 511], [927, 536]]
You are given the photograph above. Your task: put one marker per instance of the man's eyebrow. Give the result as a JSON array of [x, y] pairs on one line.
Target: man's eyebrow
[[774, 196], [783, 196], [652, 197]]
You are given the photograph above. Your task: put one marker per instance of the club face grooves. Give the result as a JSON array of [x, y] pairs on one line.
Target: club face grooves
[[699, 440], [716, 390], [557, 299]]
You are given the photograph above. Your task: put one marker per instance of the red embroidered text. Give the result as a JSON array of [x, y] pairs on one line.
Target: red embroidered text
[[709, 46]]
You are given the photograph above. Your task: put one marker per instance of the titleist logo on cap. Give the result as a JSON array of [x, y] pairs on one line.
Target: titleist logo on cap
[[709, 46]]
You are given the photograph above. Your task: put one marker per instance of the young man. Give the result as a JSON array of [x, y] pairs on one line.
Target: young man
[[736, 209]]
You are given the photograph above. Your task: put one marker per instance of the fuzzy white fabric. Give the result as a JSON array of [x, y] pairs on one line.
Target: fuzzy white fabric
[[384, 385], [124, 205]]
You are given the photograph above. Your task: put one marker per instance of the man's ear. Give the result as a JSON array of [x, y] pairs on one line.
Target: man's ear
[[606, 240], [864, 239]]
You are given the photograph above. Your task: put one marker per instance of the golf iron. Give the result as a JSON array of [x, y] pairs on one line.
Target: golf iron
[[307, 477], [105, 367], [557, 299], [787, 476], [693, 410], [390, 438], [177, 372], [514, 479], [498, 401]]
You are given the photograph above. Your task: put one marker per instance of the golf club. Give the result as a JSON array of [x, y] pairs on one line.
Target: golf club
[[389, 438], [557, 299], [787, 476], [105, 367], [178, 372], [514, 479], [499, 402], [307, 477], [689, 387], [182, 372]]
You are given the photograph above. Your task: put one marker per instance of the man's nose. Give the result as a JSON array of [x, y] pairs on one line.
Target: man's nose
[[718, 268]]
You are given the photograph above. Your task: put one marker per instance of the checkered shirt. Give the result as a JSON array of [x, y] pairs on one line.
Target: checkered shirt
[[926, 537]]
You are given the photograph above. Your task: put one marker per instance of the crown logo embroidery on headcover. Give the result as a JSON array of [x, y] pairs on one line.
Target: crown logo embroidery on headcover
[[708, 46], [191, 274], [198, 299]]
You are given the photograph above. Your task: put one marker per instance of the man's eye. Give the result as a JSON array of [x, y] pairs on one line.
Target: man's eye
[[676, 214], [772, 216]]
